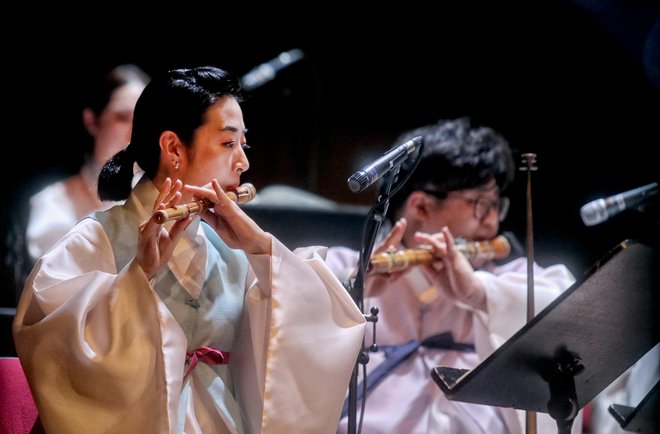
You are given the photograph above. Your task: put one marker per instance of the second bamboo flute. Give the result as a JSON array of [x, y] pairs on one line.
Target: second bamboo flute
[[387, 262]]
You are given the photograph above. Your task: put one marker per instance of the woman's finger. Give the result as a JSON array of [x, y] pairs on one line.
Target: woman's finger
[[202, 192], [222, 199], [164, 191], [174, 195], [178, 227]]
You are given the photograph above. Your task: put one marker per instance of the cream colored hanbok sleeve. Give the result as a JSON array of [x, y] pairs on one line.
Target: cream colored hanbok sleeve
[[305, 334], [100, 350]]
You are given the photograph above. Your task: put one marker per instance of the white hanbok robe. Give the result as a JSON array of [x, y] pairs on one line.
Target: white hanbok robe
[[104, 349], [414, 308], [56, 209]]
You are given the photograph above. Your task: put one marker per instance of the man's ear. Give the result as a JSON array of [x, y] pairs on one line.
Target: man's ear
[[418, 205]]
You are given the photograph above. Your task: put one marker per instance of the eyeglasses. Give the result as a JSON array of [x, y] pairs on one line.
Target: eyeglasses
[[482, 206]]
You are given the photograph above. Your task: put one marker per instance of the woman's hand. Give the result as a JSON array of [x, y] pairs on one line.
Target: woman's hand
[[156, 243], [453, 269], [235, 227]]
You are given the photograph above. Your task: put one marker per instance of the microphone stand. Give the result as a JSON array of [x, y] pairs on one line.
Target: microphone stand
[[529, 159], [372, 226], [371, 229]]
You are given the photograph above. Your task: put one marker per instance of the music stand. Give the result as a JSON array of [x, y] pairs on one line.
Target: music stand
[[575, 347], [643, 418]]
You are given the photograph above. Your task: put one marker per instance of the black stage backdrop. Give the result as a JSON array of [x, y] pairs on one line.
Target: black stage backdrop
[[577, 83]]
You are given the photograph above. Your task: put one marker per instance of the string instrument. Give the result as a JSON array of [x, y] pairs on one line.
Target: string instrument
[[387, 262], [243, 194]]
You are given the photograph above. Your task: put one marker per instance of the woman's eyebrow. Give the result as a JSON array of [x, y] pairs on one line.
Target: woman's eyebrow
[[233, 129]]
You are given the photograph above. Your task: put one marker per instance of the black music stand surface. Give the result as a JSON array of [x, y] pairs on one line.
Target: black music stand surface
[[643, 418], [575, 347]]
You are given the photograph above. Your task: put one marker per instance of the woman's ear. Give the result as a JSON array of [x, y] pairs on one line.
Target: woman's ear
[[90, 121], [171, 147]]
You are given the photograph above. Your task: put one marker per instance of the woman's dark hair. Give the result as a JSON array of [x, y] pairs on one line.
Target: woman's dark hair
[[455, 157], [176, 101], [100, 91]]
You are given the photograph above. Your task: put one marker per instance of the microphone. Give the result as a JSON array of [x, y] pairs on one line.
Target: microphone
[[599, 210], [387, 262], [244, 193], [368, 175], [262, 74]]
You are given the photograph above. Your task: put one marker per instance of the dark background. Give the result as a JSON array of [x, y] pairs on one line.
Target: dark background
[[576, 82]]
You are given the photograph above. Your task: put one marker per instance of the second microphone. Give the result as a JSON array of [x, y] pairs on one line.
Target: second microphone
[[243, 194]]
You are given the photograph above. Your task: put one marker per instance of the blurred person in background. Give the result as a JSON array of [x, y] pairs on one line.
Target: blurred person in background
[[107, 117]]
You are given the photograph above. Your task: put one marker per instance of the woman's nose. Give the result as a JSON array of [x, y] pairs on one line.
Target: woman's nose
[[242, 164]]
